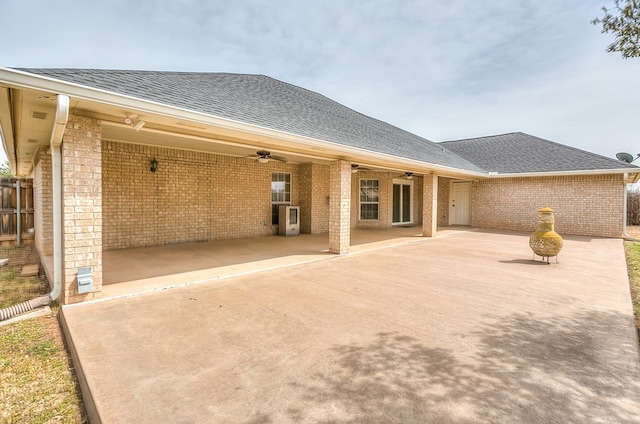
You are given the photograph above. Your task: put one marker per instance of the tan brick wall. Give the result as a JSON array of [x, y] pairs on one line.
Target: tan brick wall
[[193, 196], [82, 205], [314, 198], [583, 205], [443, 201], [306, 200], [417, 200], [42, 202]]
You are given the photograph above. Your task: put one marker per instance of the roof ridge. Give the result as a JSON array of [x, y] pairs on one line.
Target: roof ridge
[[173, 72], [481, 137]]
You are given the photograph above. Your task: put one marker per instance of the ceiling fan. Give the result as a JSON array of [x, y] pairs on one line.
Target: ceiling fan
[[355, 168], [263, 156], [409, 175]]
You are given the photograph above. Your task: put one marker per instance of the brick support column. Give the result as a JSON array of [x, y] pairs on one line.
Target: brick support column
[[430, 205], [82, 206], [340, 207]]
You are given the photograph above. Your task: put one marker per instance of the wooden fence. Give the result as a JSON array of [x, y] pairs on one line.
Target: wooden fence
[[16, 211]]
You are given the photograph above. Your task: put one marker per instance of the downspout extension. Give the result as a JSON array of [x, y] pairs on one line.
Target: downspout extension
[[61, 119]]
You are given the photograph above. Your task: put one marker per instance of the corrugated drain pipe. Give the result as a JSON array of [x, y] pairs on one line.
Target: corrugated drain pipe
[[62, 117]]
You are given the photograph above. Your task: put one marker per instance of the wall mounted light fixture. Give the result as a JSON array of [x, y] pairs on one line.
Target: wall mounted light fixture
[[154, 165], [409, 175]]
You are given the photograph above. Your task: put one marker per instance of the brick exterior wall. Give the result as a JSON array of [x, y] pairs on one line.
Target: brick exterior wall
[[193, 196], [443, 201], [583, 205], [306, 199], [314, 198], [82, 205], [42, 203], [417, 200]]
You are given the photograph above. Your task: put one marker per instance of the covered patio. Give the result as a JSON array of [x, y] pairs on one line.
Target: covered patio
[[131, 271]]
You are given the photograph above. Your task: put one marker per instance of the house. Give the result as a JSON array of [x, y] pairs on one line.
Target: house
[[124, 159]]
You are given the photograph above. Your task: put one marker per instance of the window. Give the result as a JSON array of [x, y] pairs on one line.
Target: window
[[369, 199], [280, 193]]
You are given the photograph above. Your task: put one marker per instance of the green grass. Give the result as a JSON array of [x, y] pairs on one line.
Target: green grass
[[632, 250], [37, 384], [13, 288]]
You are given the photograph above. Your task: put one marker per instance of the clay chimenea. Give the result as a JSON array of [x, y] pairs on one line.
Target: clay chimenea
[[544, 241]]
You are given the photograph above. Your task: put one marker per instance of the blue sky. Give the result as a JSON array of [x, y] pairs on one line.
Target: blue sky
[[442, 70]]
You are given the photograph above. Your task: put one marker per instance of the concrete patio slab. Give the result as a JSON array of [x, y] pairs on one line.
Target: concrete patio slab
[[138, 270], [459, 329]]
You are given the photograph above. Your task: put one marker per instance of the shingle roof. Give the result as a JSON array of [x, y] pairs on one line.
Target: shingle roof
[[524, 153], [266, 102]]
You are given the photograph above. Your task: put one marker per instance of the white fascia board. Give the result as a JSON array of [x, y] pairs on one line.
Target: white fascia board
[[81, 92]]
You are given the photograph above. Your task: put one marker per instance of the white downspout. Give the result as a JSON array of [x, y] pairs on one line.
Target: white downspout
[[62, 117], [59, 125]]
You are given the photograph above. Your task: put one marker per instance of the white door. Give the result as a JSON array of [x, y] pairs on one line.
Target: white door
[[459, 208]]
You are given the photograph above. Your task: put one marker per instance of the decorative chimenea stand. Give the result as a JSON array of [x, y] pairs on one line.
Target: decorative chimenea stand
[[544, 241]]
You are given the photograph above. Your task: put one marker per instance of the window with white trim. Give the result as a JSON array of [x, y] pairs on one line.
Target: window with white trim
[[280, 193], [369, 195]]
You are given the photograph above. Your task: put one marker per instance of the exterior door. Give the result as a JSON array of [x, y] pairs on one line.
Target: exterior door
[[402, 211], [459, 208]]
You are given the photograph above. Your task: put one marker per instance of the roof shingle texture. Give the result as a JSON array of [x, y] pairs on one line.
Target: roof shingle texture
[[524, 153], [265, 102]]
